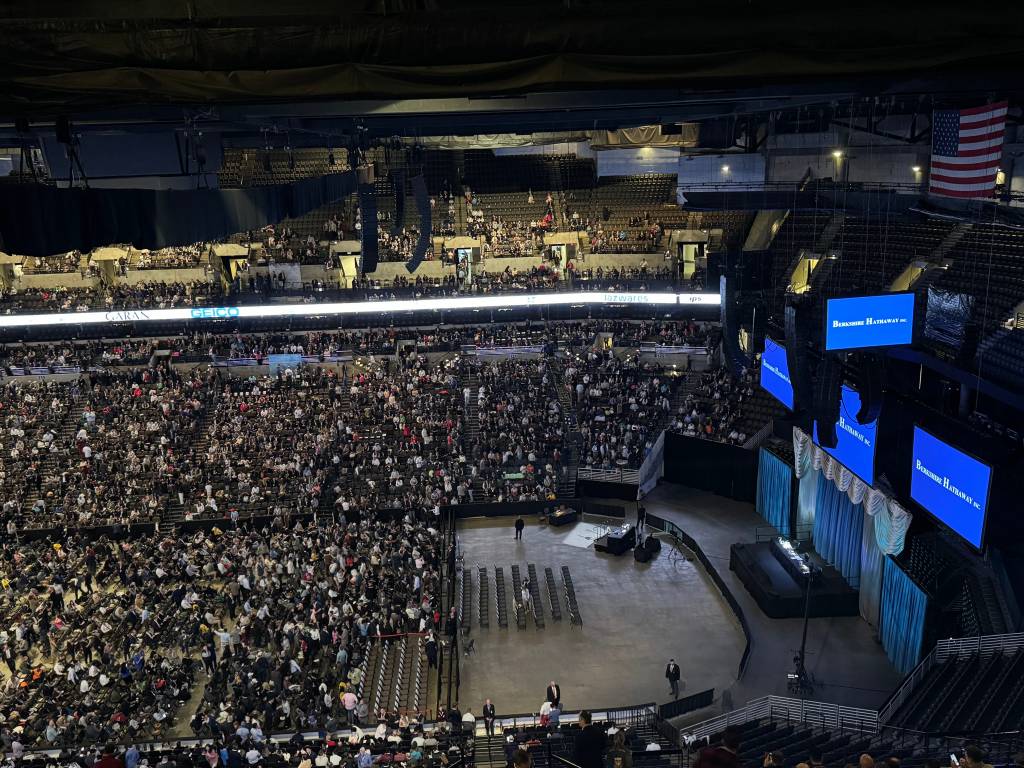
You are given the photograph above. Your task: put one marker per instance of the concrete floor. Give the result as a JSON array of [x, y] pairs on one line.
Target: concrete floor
[[635, 617], [843, 653]]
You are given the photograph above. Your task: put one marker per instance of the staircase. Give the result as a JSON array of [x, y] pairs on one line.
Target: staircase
[[950, 241], [573, 440], [174, 512], [471, 425], [64, 438], [828, 234]]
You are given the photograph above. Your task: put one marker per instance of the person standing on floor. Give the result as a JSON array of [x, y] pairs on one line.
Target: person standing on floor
[[641, 518], [520, 524], [489, 717], [672, 674], [553, 694]]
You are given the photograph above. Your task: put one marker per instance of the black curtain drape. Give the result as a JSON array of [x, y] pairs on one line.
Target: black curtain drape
[[39, 220], [728, 470]]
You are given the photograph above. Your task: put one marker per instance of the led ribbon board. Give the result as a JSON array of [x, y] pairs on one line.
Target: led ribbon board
[[855, 443], [497, 301], [951, 485], [864, 322], [775, 373]]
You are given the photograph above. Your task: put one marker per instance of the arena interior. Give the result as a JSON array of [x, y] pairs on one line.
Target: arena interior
[[580, 385]]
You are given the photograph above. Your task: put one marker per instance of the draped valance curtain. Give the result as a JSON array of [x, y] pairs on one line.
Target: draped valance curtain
[[880, 531], [892, 520]]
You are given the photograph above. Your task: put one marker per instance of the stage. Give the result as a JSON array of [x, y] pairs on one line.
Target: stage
[[780, 593]]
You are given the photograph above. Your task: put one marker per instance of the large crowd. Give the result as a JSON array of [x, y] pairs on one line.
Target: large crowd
[[266, 630], [622, 404], [715, 409], [517, 451]]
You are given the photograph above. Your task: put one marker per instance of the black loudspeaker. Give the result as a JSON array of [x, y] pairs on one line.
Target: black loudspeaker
[[398, 182], [826, 399], [641, 555], [368, 235], [798, 337], [870, 369], [419, 191], [63, 130], [652, 544], [730, 327]]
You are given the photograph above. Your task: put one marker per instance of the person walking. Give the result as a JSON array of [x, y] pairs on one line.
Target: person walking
[[672, 674], [520, 524]]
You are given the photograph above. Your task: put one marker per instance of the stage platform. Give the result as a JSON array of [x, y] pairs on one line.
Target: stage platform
[[780, 595]]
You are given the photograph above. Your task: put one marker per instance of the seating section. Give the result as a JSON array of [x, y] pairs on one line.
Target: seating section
[[972, 694], [808, 743], [258, 167]]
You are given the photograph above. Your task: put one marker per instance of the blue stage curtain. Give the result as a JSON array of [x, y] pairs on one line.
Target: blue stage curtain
[[838, 526], [871, 563], [903, 610], [774, 490], [807, 492]]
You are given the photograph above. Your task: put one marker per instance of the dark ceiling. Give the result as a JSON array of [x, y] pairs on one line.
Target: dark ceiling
[[78, 58]]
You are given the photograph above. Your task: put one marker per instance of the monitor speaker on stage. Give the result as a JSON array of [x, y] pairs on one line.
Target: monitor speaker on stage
[[641, 554], [368, 233], [652, 544], [419, 191]]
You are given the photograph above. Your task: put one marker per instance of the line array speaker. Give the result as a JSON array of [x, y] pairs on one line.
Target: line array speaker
[[419, 191], [368, 234]]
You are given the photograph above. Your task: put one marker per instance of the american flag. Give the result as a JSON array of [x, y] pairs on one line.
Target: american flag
[[967, 146]]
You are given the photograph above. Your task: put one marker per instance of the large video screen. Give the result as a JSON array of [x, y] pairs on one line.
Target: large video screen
[[855, 443], [886, 320], [775, 373], [951, 485]]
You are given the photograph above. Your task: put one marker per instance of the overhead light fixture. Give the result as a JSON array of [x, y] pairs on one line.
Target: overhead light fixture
[[837, 153], [916, 169], [725, 169]]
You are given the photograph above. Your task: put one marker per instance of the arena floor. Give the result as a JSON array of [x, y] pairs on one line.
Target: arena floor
[[635, 617]]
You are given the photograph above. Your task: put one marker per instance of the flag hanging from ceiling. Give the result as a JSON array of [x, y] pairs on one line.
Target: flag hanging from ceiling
[[967, 147]]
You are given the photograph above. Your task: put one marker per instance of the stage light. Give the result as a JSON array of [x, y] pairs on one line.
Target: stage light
[[916, 169], [837, 153], [725, 169]]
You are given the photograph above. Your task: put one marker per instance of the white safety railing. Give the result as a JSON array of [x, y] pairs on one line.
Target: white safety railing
[[814, 713], [630, 476], [984, 645]]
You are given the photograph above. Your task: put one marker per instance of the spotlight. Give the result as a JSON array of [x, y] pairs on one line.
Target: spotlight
[[725, 169], [837, 153], [916, 169]]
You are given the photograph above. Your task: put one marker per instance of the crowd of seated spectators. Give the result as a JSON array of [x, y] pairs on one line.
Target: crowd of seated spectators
[[117, 465], [270, 628], [621, 403], [55, 299], [174, 257], [399, 443], [204, 346], [60, 264], [538, 278], [518, 450], [618, 278], [714, 410], [159, 295]]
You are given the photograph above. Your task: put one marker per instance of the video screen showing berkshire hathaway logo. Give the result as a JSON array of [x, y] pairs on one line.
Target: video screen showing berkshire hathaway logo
[[862, 322], [855, 443]]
